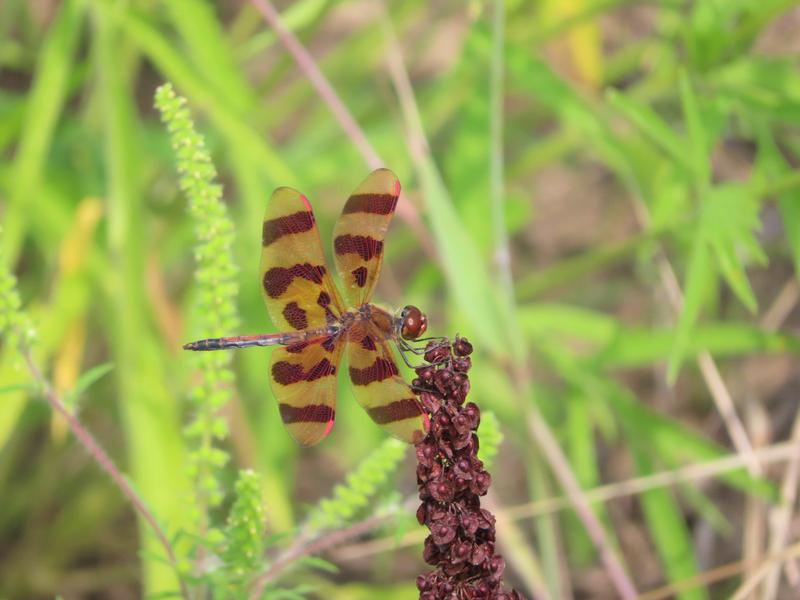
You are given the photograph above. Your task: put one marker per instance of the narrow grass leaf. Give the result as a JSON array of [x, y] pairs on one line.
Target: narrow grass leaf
[[771, 165], [652, 126], [43, 107], [698, 138], [210, 51], [699, 273], [17, 387], [675, 443], [86, 380], [668, 528], [573, 268], [465, 268], [240, 135], [580, 447], [608, 343]]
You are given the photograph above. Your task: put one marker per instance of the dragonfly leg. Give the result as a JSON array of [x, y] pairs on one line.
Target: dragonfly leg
[[405, 347]]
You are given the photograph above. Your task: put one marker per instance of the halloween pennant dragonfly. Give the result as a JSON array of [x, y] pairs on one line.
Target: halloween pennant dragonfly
[[317, 326]]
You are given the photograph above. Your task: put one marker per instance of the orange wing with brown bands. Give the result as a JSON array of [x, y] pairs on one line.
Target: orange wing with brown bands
[[297, 287], [359, 232], [303, 378], [378, 387]]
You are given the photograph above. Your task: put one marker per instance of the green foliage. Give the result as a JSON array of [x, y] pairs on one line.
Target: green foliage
[[491, 437], [359, 488], [632, 135], [15, 327], [215, 308], [244, 544]]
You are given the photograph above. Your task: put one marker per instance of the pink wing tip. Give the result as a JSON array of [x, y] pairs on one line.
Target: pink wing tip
[[328, 428], [396, 187], [306, 202]]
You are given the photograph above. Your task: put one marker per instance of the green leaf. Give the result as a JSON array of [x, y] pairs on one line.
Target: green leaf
[[17, 387], [572, 268], [764, 86], [491, 436], [581, 449], [362, 484], [770, 166], [706, 32], [465, 269], [650, 124], [699, 274], [85, 381], [607, 342], [210, 51], [152, 427], [667, 527], [240, 134], [730, 217], [466, 167], [677, 444], [45, 100], [698, 139], [320, 563]]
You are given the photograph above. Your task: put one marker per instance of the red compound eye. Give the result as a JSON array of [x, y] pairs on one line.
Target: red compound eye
[[414, 323]]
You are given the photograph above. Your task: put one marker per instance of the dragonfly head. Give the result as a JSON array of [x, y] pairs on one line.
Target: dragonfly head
[[412, 323]]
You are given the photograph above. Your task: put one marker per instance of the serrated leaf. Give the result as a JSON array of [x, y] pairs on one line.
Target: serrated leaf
[[730, 215]]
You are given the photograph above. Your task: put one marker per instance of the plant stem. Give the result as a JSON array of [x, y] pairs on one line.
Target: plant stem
[[105, 463]]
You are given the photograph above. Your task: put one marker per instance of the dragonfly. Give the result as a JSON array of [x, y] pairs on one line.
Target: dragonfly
[[318, 327]]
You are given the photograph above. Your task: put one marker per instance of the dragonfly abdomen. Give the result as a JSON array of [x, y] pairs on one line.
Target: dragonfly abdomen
[[290, 338]]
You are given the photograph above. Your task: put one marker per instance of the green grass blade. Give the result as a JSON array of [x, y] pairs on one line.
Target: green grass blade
[[699, 274], [44, 104], [210, 51], [239, 134], [652, 126], [609, 343], [150, 414], [465, 268], [668, 529], [698, 137]]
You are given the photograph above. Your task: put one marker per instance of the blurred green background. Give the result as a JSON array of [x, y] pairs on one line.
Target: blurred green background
[[600, 194]]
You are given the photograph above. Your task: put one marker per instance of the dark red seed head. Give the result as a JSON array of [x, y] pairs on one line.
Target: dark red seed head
[[462, 347], [425, 373], [451, 481], [437, 354], [424, 583], [462, 364]]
